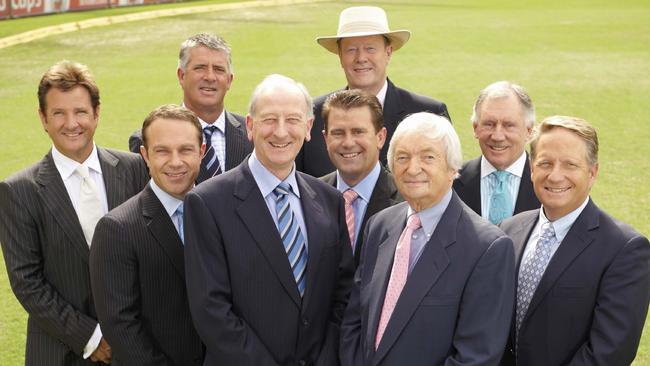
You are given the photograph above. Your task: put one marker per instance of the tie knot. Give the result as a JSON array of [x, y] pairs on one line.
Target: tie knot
[[350, 195], [179, 210], [548, 232], [413, 222], [282, 189], [82, 171], [209, 130], [501, 175]]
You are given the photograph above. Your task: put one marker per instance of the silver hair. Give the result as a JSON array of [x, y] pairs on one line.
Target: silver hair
[[432, 127], [503, 89], [207, 40], [277, 81]]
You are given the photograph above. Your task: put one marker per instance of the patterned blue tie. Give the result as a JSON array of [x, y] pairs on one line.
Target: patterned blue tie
[[500, 202], [292, 238], [532, 271], [210, 161], [179, 222]]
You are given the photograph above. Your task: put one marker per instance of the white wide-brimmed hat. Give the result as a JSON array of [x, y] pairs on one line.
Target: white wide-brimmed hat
[[361, 21]]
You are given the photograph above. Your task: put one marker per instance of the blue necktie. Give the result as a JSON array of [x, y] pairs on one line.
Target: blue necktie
[[532, 270], [210, 161], [292, 238], [500, 202], [179, 220]]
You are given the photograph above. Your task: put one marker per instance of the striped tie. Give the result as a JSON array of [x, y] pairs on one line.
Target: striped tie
[[292, 238], [349, 196], [210, 162]]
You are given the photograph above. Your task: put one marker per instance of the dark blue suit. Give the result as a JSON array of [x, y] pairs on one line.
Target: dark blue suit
[[457, 302], [242, 293], [591, 303]]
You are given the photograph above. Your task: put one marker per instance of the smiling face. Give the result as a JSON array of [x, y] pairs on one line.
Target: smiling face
[[70, 121], [205, 81], [421, 172], [353, 144], [561, 174], [364, 61], [173, 155], [279, 128], [501, 131]]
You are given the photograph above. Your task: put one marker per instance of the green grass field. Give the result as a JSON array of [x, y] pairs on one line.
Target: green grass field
[[585, 58]]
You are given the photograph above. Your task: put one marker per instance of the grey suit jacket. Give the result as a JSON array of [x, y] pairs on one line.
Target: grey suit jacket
[[468, 187], [137, 273], [47, 256], [237, 144], [243, 296], [384, 195], [456, 305], [591, 303], [399, 103]]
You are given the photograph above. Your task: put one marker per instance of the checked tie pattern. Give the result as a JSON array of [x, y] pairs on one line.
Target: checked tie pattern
[[350, 196], [532, 270], [500, 202], [291, 235], [210, 161], [398, 275]]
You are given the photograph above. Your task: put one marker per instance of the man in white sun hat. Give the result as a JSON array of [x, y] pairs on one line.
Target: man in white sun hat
[[365, 44]]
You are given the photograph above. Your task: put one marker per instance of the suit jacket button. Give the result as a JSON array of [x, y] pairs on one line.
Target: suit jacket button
[[305, 322], [302, 362]]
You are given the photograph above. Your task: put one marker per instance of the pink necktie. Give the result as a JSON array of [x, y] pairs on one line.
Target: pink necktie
[[349, 196], [398, 275]]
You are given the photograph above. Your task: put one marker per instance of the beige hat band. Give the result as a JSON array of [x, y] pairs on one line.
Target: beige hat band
[[362, 27]]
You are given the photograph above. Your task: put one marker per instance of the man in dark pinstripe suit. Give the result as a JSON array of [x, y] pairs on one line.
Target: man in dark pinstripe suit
[[137, 269], [46, 220]]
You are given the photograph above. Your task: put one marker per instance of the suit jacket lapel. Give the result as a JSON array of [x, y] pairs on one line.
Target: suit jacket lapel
[[471, 180], [113, 178], [314, 215], [55, 197], [256, 217], [425, 274], [162, 229], [526, 194], [235, 142], [382, 269], [577, 239]]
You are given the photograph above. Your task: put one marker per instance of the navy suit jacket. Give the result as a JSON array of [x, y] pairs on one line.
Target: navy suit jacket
[[591, 303], [137, 274], [243, 296], [47, 255], [237, 144], [456, 305], [384, 195], [468, 187], [399, 103]]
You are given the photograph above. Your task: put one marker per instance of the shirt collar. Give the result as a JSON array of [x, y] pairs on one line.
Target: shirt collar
[[220, 123], [382, 93], [266, 181], [365, 187], [432, 215], [564, 223], [67, 166], [169, 202], [516, 168]]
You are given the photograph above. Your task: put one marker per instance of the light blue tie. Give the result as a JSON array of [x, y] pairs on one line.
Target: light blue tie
[[292, 238], [500, 202], [532, 270], [179, 220]]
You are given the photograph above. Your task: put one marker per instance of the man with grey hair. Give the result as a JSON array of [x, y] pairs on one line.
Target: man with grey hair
[[267, 252], [497, 184], [205, 74], [436, 282]]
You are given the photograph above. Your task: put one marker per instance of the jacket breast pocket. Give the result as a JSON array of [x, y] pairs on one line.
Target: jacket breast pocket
[[571, 292], [440, 300]]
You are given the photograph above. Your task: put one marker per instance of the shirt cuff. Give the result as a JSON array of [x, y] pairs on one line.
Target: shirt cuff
[[93, 343]]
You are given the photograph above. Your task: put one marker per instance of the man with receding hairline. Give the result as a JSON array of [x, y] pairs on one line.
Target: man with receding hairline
[[267, 256]]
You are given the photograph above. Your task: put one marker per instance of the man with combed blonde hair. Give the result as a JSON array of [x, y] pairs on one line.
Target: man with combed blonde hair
[[583, 277]]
